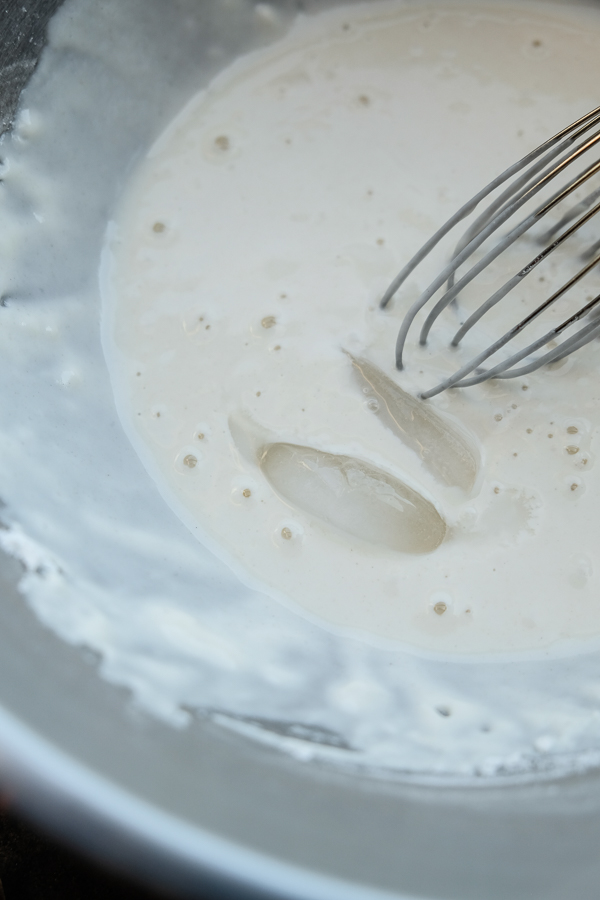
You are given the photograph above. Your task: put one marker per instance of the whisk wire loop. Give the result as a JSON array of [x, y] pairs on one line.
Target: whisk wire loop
[[524, 179], [504, 370], [516, 279], [522, 198], [586, 122], [542, 166], [584, 336], [459, 379], [476, 241]]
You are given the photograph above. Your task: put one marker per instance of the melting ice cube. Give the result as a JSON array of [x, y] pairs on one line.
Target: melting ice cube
[[353, 496], [446, 452]]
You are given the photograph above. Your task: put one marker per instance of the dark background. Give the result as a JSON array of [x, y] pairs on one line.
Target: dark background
[[35, 867]]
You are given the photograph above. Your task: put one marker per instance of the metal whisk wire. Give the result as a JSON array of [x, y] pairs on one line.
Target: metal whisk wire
[[544, 164]]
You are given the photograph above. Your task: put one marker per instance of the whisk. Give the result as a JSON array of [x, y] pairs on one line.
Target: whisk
[[561, 163]]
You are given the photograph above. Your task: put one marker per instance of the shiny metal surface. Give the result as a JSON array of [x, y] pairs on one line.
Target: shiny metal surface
[[202, 806], [560, 155]]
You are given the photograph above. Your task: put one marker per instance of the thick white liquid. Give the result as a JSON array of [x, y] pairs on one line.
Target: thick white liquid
[[249, 254], [110, 566]]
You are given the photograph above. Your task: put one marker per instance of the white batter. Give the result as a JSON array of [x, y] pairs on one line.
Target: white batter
[[241, 280], [246, 264]]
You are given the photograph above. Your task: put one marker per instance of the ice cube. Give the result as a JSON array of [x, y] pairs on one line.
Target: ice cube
[[444, 449], [353, 496]]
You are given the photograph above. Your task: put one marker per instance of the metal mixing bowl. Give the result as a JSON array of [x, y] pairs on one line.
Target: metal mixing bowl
[[202, 806]]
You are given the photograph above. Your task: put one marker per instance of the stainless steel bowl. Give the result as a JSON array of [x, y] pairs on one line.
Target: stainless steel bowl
[[202, 806]]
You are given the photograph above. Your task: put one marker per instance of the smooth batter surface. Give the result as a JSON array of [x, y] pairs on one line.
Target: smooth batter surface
[[246, 263]]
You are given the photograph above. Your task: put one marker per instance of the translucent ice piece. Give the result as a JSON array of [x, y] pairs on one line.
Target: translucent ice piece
[[353, 496], [446, 452]]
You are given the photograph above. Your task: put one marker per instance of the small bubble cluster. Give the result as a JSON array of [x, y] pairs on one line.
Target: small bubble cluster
[[222, 143]]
